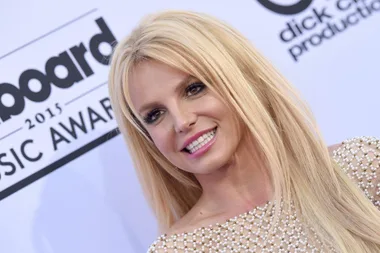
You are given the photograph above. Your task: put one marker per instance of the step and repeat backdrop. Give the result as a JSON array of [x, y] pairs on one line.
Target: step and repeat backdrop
[[66, 179]]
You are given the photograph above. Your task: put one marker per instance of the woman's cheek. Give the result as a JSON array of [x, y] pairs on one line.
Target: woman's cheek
[[161, 141]]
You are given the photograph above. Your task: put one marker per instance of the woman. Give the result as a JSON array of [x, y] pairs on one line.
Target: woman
[[229, 157]]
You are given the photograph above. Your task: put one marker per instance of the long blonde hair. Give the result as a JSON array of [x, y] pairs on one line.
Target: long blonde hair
[[301, 168]]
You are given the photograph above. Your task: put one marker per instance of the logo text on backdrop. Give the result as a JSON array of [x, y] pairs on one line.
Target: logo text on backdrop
[[55, 124], [298, 7], [310, 28]]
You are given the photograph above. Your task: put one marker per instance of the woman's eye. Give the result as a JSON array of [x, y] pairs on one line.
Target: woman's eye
[[153, 116], [194, 89]]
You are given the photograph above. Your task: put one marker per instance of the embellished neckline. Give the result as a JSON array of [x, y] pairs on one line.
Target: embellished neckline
[[263, 209]]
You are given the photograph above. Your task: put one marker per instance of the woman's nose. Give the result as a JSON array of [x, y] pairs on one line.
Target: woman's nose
[[184, 120]]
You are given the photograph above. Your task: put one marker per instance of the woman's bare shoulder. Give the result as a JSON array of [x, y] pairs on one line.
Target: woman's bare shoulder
[[189, 222], [334, 147], [177, 228], [180, 226]]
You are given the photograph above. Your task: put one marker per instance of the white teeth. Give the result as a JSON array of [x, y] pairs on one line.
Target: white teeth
[[200, 142]]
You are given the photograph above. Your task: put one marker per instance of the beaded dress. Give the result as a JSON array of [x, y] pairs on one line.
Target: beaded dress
[[249, 232]]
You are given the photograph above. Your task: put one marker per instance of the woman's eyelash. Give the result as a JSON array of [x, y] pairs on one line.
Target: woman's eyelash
[[197, 86], [191, 90], [150, 117]]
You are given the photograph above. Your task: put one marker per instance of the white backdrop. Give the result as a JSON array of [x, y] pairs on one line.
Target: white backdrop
[[66, 181]]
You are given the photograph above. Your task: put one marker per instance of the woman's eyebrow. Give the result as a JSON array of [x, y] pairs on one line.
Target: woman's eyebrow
[[184, 82], [187, 79]]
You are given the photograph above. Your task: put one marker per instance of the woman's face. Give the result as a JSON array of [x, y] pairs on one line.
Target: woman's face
[[188, 123]]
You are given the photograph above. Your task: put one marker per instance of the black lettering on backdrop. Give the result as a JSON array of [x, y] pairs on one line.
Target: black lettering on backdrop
[[322, 24], [295, 28], [63, 59], [78, 52], [298, 7], [88, 121], [18, 105], [106, 104], [17, 159], [73, 75], [24, 81], [17, 155], [94, 117], [26, 156], [9, 164], [105, 36], [321, 15], [73, 125], [343, 4], [57, 137]]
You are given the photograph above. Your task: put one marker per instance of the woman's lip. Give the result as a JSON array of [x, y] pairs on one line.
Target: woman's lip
[[196, 136], [203, 149]]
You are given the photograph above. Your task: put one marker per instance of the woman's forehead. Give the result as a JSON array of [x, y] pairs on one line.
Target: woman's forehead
[[151, 73], [151, 80]]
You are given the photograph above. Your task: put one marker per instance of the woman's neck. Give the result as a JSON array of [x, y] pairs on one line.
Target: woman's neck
[[239, 186]]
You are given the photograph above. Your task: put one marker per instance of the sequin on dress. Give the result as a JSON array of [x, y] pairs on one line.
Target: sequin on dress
[[249, 232]]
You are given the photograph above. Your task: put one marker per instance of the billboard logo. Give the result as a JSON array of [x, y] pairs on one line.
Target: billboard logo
[[50, 77]]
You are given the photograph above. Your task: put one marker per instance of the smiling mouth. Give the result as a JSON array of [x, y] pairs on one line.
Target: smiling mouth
[[200, 142]]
